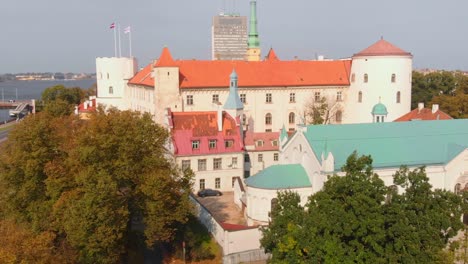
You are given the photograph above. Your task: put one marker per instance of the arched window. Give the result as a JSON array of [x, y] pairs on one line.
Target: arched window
[[268, 119], [359, 97], [457, 188], [366, 77], [398, 97], [393, 77], [292, 118], [353, 77], [338, 116]]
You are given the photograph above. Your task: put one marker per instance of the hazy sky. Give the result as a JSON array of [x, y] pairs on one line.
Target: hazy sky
[[64, 35]]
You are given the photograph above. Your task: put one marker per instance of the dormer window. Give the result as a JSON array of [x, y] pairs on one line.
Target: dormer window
[[212, 143], [259, 143], [195, 144], [228, 143], [274, 143]]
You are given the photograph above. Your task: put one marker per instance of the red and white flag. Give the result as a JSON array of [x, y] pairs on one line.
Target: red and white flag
[[112, 26], [127, 30]]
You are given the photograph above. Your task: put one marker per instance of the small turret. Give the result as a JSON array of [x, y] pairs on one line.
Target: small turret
[[233, 104]]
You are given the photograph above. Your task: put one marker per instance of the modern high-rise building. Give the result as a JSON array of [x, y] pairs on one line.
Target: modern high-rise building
[[229, 37]]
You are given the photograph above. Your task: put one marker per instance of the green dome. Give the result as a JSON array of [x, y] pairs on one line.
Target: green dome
[[379, 109]]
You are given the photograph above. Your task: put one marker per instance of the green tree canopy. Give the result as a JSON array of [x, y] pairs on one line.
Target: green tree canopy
[[357, 219], [89, 182], [59, 100]]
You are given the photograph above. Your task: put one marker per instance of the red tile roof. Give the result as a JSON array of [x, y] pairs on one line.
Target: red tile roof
[[271, 55], [92, 108], [268, 73], [267, 137], [382, 48], [203, 126], [423, 114]]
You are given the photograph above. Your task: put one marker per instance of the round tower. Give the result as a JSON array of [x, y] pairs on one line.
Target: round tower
[[112, 75], [380, 74]]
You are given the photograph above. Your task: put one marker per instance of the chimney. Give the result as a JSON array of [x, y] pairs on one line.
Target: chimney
[[220, 118], [435, 108]]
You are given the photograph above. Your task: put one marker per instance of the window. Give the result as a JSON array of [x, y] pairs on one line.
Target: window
[[268, 119], [217, 164], [378, 119], [111, 90], [292, 97], [202, 165], [317, 96], [274, 143], [243, 98], [234, 162], [393, 77], [246, 158], [268, 130], [189, 99], [217, 183], [353, 77], [292, 118], [212, 143], [359, 97], [107, 75], [259, 143], [398, 97], [268, 98], [185, 164], [202, 184], [339, 96], [228, 143], [260, 157], [244, 119], [457, 188], [215, 98], [338, 116], [233, 181], [195, 144], [366, 78], [275, 156]]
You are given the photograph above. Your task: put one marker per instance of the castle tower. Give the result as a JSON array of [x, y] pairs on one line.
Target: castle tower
[[233, 104], [166, 86], [380, 75], [253, 50], [112, 75]]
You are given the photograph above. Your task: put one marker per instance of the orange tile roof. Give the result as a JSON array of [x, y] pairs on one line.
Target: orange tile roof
[[382, 48], [271, 55], [423, 114], [165, 60], [266, 137], [268, 73]]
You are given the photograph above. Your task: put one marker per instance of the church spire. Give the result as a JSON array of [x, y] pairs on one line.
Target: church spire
[[253, 51]]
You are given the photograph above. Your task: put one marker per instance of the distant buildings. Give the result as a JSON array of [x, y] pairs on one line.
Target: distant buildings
[[229, 37]]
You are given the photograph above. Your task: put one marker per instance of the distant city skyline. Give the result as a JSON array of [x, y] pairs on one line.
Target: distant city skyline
[[59, 37]]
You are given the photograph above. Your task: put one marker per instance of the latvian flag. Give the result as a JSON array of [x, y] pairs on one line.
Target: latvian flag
[[112, 26]]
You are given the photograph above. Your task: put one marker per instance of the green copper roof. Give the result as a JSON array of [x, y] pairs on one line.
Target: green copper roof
[[233, 101], [253, 41], [280, 177], [379, 109], [283, 134], [392, 144]]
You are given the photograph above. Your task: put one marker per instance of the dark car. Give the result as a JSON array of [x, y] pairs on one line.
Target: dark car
[[209, 192]]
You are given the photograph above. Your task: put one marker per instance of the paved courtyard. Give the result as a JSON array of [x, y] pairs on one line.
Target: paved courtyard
[[223, 208]]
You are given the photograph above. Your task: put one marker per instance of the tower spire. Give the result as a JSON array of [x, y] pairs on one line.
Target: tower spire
[[253, 51]]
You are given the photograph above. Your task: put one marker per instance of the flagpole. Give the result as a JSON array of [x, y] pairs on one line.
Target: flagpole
[[120, 43], [115, 41], [130, 41]]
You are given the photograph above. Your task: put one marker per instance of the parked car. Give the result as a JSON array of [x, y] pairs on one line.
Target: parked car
[[209, 192]]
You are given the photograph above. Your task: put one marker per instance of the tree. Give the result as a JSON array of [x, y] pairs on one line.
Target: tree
[[91, 182], [357, 219], [322, 111], [59, 100]]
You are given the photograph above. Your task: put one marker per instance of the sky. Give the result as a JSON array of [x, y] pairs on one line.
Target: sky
[[67, 36]]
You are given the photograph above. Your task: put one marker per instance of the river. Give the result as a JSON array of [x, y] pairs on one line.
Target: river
[[27, 90]]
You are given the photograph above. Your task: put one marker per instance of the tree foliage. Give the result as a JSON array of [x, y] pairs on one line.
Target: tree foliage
[[447, 89], [321, 112], [357, 219], [59, 100], [91, 182]]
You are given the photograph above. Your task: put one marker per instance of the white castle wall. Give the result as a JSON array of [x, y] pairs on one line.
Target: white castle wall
[[379, 87], [112, 75]]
